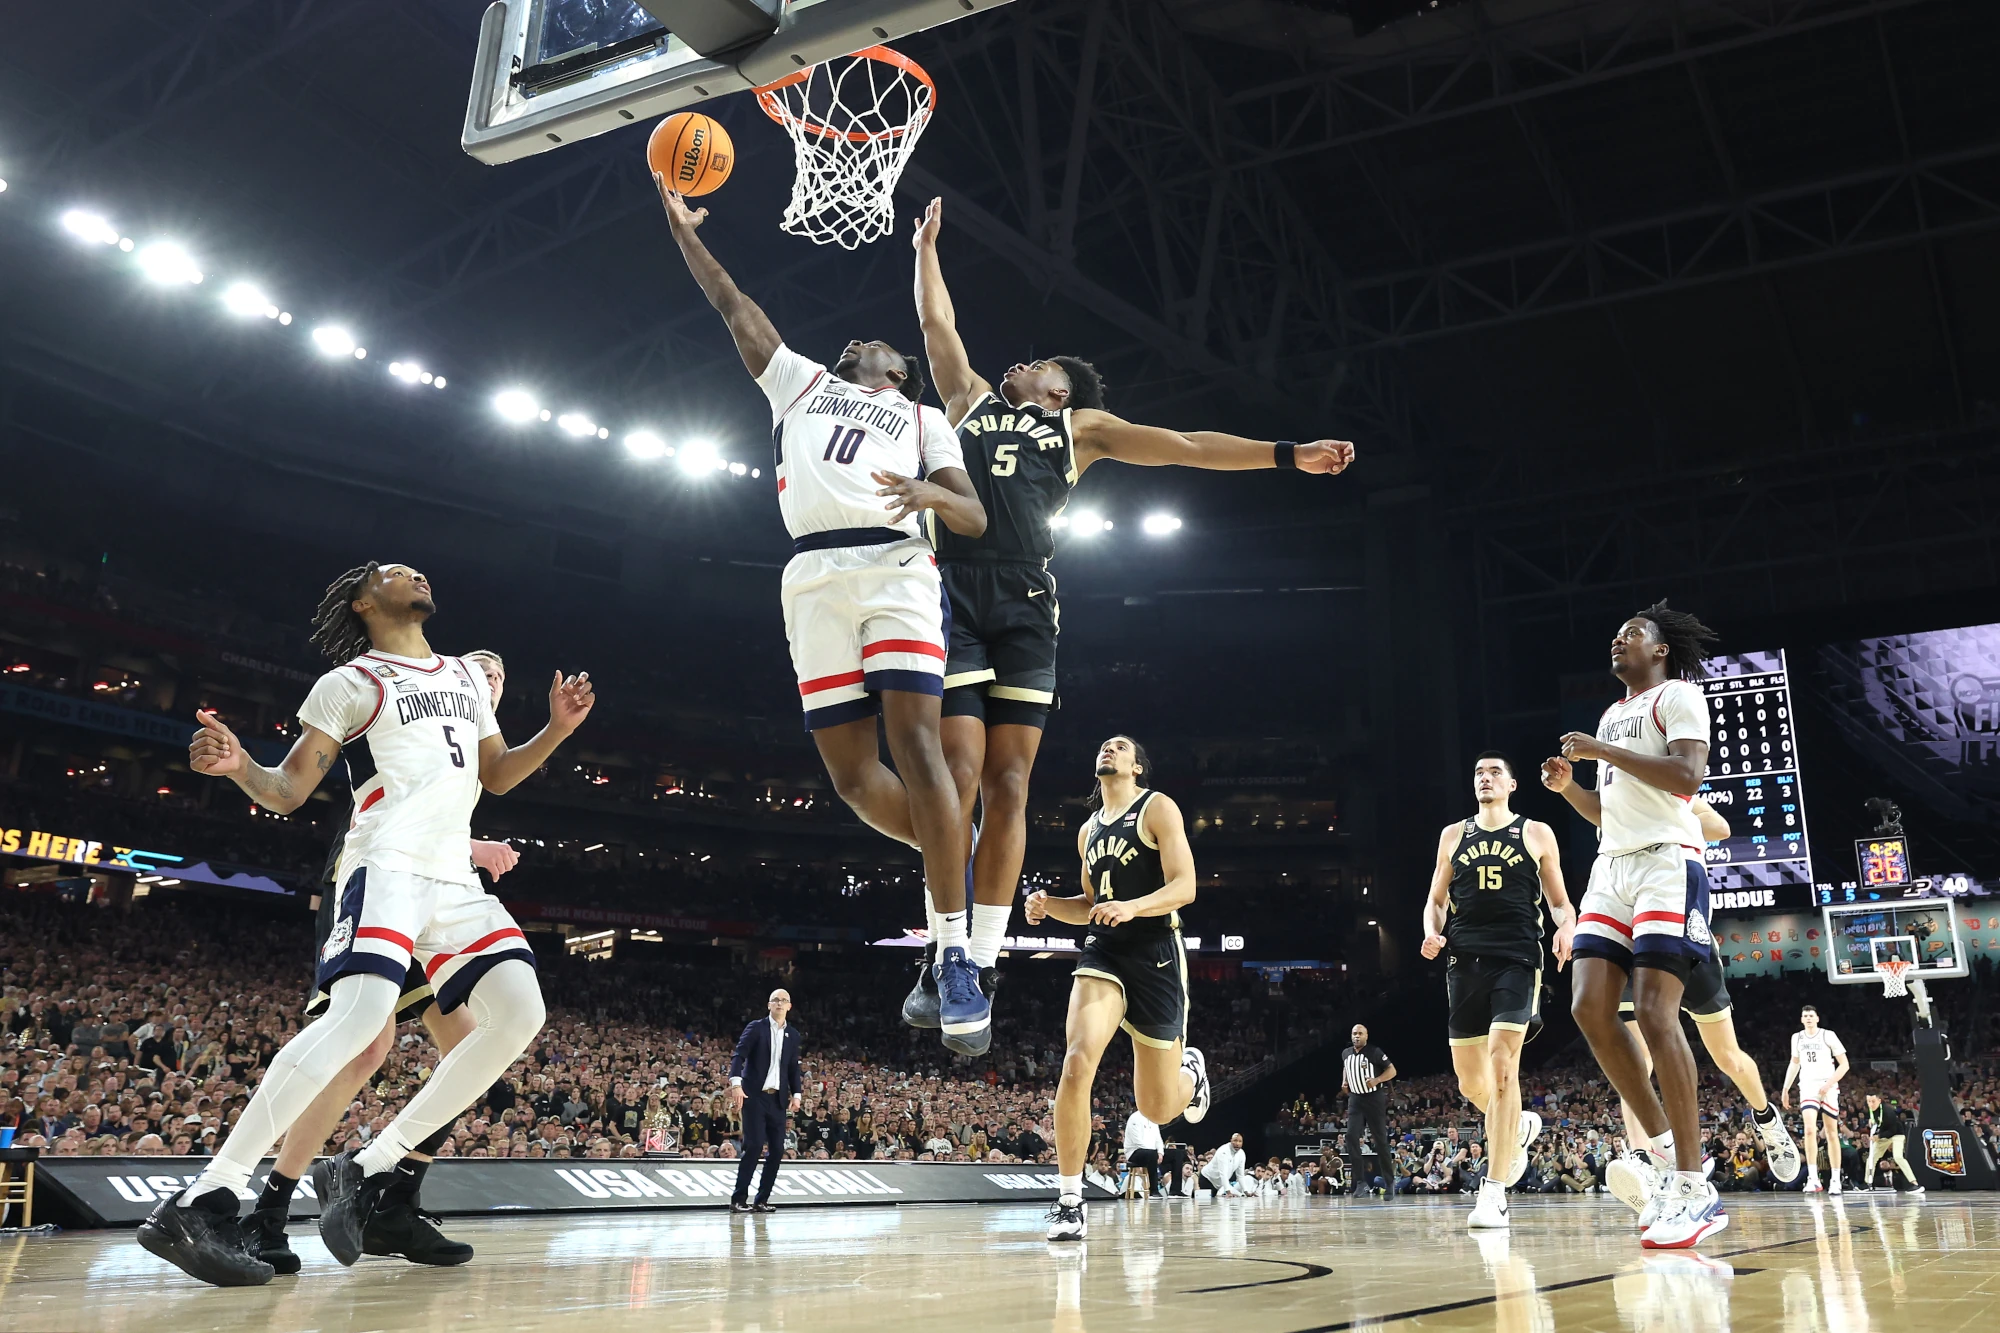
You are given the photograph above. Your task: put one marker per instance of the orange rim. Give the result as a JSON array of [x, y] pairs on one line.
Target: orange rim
[[774, 107]]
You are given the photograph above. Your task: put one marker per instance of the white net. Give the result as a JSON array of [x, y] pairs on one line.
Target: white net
[[853, 123], [1894, 973]]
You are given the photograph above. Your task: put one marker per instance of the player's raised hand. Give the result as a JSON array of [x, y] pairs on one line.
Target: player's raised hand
[[1035, 907], [214, 750], [928, 225], [679, 214], [908, 495], [1557, 774], [1325, 457], [570, 701], [1432, 946]]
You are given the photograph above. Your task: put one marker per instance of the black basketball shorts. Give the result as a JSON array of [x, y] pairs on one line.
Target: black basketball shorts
[[417, 995], [1000, 664], [1704, 997], [1488, 993], [1153, 976]]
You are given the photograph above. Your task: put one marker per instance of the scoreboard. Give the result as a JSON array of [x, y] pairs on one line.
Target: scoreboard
[[1753, 782]]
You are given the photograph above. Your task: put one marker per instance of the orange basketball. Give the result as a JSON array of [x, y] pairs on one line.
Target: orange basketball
[[690, 152]]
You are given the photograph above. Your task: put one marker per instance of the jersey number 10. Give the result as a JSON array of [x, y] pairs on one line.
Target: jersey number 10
[[841, 449]]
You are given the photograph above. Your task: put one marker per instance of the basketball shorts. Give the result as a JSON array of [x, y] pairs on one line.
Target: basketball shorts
[[417, 994], [1001, 663], [387, 920], [1704, 994], [1488, 993], [1152, 974], [1827, 1105], [1648, 907], [860, 620]]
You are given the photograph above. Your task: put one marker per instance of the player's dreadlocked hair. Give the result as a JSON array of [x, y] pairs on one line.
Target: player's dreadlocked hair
[[337, 631], [1142, 768], [1687, 640], [1086, 386]]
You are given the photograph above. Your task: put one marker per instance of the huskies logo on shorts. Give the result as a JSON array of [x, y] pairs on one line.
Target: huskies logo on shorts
[[338, 939], [1697, 930]]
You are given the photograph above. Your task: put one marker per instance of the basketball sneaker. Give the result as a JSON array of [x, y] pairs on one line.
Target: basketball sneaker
[[264, 1236], [1833, 1186], [1196, 1065], [963, 1013], [1531, 1129], [1691, 1211], [920, 1006], [1812, 1183], [981, 1042], [348, 1197], [203, 1240], [1779, 1148], [398, 1226], [1636, 1180], [1490, 1213], [1914, 1192], [1066, 1219]]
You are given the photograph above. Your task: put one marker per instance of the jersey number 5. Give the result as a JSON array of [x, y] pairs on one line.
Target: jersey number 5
[[1004, 461], [841, 449], [457, 752]]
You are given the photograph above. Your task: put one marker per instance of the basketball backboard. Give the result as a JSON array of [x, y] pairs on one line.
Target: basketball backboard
[[552, 72], [1920, 931]]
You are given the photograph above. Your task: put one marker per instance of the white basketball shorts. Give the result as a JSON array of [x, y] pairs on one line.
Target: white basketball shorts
[[1650, 901], [385, 918], [863, 619], [1827, 1105]]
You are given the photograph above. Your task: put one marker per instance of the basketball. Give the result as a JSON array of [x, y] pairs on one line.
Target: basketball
[[690, 152]]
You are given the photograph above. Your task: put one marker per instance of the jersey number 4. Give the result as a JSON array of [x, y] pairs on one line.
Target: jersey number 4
[[842, 448]]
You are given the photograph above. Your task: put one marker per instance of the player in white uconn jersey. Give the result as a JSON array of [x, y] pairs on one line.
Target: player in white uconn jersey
[[859, 460], [1819, 1062], [1644, 917], [418, 732]]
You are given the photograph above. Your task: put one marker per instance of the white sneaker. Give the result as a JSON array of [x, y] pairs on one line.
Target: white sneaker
[[1812, 1184], [1779, 1149], [1834, 1188], [1531, 1129], [1690, 1211], [1196, 1066], [1066, 1220], [1490, 1213], [1634, 1179]]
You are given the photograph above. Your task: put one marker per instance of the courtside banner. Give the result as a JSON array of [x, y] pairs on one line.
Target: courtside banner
[[120, 1191]]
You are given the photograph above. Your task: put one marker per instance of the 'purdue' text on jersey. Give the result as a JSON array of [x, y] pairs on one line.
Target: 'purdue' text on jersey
[[1123, 863], [1023, 464], [1496, 894]]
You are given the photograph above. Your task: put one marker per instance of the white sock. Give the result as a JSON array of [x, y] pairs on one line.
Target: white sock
[[358, 1006], [950, 932], [507, 1012], [989, 932], [1693, 1182], [931, 917], [1070, 1187], [1663, 1146]]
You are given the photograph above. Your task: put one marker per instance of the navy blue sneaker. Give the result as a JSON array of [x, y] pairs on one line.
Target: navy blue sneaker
[[963, 1013], [920, 1006]]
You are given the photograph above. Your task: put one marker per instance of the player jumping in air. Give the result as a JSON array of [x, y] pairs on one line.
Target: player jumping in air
[[418, 733], [1026, 443], [1819, 1062], [864, 611], [1645, 914], [1494, 872], [1138, 872]]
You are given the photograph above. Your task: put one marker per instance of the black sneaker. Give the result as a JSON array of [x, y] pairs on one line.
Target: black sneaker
[[264, 1238], [1066, 1221], [736, 1206], [347, 1197], [204, 1241], [763, 1207], [398, 1226], [920, 1006]]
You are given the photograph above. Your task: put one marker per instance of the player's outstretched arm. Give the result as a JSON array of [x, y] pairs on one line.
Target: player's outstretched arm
[[501, 769], [1437, 904], [1541, 840], [1560, 777], [756, 340], [1163, 820], [216, 752], [1099, 434], [951, 369]]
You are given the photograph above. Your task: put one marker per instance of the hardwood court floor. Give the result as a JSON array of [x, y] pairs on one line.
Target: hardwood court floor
[[1785, 1264]]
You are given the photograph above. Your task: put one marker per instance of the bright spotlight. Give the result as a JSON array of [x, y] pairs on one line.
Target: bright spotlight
[[604, 432], [516, 405], [645, 444], [545, 414], [167, 264], [333, 340], [1159, 525], [756, 472], [245, 300], [699, 456], [737, 469], [577, 424], [88, 226], [3, 187], [409, 372], [1088, 524], [284, 316], [1059, 522], [125, 244], [438, 383]]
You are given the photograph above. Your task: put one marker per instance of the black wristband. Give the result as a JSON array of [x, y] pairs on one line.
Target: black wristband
[[1286, 451]]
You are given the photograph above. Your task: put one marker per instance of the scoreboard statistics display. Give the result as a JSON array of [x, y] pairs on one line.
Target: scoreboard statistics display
[[1753, 782]]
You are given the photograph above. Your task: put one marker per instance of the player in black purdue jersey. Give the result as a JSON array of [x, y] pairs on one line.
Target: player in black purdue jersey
[[1025, 444], [1138, 872], [1494, 872]]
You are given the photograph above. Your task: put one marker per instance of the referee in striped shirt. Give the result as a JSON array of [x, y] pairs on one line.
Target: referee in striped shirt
[[1364, 1069]]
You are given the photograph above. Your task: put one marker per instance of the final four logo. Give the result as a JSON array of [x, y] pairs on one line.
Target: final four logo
[[1943, 1153]]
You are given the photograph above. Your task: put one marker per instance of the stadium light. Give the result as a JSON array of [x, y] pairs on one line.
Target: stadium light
[[438, 382], [246, 299], [1159, 525], [577, 424], [737, 469], [3, 187], [1088, 524], [409, 372], [516, 405], [646, 445], [166, 263], [1059, 522], [699, 456], [88, 226], [333, 340]]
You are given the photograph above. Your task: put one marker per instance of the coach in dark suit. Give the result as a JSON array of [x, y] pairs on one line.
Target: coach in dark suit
[[763, 1084]]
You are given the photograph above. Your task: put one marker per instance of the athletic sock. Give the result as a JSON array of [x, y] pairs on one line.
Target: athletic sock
[[1663, 1145], [950, 932], [931, 919], [1694, 1180], [429, 1147], [409, 1178], [382, 1155], [277, 1191], [989, 932], [1765, 1116], [1070, 1187]]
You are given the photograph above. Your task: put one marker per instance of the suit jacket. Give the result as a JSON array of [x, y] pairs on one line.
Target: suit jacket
[[753, 1059]]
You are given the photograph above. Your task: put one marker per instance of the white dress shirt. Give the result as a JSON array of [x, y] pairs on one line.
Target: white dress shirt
[[1226, 1165], [774, 1078], [1142, 1133]]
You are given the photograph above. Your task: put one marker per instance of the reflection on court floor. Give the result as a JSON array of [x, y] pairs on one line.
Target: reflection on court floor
[[1786, 1264]]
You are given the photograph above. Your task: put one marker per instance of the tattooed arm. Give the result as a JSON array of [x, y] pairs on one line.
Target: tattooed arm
[[216, 752]]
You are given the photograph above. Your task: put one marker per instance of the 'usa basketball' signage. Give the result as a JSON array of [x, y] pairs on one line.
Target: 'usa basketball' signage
[[121, 1191]]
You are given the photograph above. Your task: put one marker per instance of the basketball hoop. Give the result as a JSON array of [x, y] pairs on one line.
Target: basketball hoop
[[1893, 972], [853, 123]]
